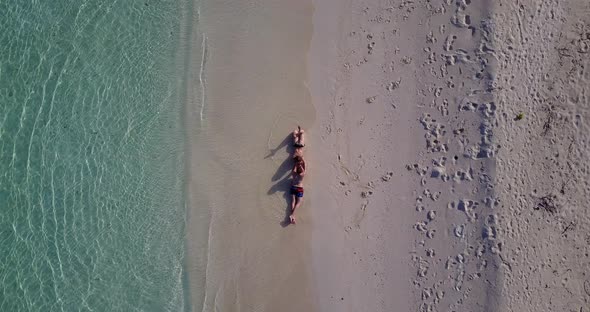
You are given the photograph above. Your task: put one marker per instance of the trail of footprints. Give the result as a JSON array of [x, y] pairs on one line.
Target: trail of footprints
[[454, 184]]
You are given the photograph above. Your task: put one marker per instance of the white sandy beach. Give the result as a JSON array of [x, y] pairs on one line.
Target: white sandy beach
[[447, 153]]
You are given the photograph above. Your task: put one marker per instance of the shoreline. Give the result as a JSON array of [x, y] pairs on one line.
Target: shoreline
[[197, 225]]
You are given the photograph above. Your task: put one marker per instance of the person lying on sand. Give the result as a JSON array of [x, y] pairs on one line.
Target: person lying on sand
[[296, 190], [298, 141]]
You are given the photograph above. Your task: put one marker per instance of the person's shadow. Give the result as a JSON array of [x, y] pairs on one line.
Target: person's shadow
[[284, 186], [282, 177]]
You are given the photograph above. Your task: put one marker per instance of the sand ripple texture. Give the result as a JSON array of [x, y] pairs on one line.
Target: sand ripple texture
[[91, 208]]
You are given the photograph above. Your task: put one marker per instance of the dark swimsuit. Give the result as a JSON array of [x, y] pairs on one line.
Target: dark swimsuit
[[297, 191]]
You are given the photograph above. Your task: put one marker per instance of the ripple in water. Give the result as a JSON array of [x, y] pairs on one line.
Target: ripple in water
[[91, 157]]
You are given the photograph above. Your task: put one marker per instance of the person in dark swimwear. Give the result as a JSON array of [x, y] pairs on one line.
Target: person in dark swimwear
[[296, 190], [298, 141]]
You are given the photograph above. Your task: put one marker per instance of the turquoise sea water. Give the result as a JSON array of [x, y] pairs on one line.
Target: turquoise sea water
[[92, 211]]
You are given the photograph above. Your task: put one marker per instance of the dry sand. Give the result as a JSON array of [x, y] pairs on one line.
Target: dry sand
[[403, 160], [542, 50], [363, 136], [417, 104], [426, 190]]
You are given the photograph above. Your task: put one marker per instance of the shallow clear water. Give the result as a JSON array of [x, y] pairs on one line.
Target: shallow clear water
[[92, 209]]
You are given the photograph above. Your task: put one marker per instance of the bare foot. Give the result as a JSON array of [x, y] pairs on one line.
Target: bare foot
[[292, 218]]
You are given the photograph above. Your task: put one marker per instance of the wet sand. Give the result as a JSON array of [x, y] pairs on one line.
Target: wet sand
[[254, 81]]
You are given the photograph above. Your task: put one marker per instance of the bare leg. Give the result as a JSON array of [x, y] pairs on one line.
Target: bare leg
[[297, 202], [298, 136], [301, 137]]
